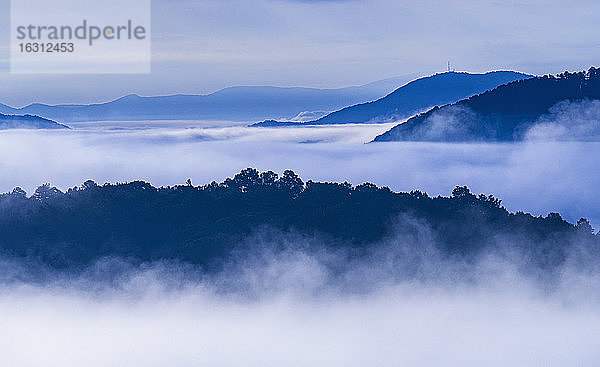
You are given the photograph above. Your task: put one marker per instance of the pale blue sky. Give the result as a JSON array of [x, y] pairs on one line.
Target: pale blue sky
[[203, 45]]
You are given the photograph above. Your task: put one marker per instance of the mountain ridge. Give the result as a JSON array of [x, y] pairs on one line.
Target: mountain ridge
[[414, 97], [237, 103], [505, 113], [202, 224]]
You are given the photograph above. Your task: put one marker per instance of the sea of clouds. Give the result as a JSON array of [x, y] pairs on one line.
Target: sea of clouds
[[290, 304], [537, 175]]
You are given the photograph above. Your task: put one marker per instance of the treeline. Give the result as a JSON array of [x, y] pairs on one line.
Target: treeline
[[203, 224]]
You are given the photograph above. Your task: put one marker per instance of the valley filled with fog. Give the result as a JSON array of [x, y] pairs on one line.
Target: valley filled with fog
[[300, 183], [161, 315], [537, 176], [286, 302]]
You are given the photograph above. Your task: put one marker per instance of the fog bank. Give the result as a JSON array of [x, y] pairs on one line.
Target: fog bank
[[538, 176], [297, 315]]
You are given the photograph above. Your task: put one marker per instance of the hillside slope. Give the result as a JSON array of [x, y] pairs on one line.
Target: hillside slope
[[27, 122], [243, 103], [506, 113], [417, 96]]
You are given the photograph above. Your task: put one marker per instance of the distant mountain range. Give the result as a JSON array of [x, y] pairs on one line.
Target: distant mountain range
[[27, 122], [506, 113], [414, 97], [231, 104]]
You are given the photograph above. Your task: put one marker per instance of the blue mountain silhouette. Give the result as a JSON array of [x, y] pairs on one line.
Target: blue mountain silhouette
[[416, 96], [244, 103], [503, 114]]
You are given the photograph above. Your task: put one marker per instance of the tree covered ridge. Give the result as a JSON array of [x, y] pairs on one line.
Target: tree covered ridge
[[503, 114], [28, 122], [204, 224], [413, 97]]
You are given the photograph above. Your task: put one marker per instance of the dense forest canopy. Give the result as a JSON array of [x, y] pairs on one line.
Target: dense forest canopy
[[203, 224]]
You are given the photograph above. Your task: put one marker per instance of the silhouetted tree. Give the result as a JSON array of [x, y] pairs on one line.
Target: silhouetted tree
[[291, 182], [46, 192], [584, 226], [88, 185], [269, 178], [461, 192], [17, 191]]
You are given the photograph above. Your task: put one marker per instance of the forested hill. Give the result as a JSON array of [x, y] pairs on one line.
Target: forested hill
[[503, 114], [201, 225], [27, 122]]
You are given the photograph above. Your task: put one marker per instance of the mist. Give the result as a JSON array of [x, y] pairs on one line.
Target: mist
[[569, 121], [290, 304], [537, 175], [432, 327]]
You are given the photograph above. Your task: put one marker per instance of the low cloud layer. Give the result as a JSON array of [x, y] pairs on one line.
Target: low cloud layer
[[569, 121], [535, 176], [397, 326], [292, 308], [290, 302]]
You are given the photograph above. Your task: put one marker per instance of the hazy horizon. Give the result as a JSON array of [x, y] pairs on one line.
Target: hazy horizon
[[404, 79], [203, 46]]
